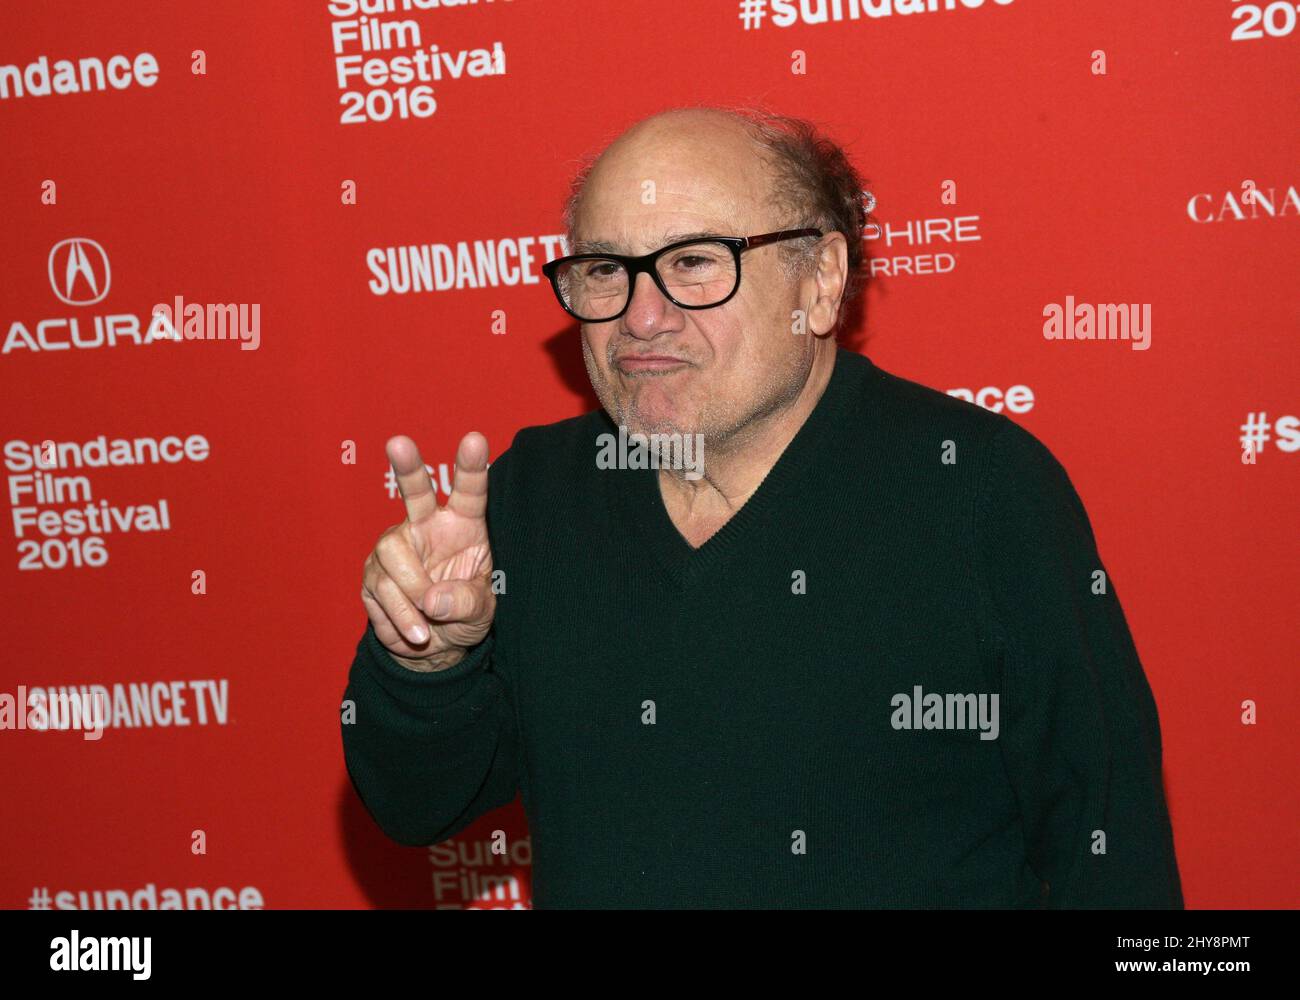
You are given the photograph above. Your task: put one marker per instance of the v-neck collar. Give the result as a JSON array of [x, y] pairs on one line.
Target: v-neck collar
[[637, 496]]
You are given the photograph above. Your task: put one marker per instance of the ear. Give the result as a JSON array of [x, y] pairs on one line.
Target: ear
[[824, 288]]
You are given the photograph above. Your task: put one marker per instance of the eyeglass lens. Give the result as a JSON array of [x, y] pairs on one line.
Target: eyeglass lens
[[697, 274]]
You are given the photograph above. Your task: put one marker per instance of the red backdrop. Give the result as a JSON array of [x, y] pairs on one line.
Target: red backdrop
[[1020, 152]]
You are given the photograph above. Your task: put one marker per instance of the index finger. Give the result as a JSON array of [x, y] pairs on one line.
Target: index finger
[[412, 479], [469, 487]]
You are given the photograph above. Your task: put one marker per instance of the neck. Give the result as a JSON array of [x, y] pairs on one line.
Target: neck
[[734, 469]]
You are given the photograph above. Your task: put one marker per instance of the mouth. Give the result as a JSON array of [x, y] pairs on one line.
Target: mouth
[[648, 363]]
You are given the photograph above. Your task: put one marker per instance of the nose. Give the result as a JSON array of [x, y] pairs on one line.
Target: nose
[[649, 313]]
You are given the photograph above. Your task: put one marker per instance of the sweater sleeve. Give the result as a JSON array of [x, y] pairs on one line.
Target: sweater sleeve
[[429, 753], [1080, 735]]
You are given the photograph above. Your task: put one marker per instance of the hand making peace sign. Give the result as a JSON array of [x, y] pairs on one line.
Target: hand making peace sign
[[427, 583]]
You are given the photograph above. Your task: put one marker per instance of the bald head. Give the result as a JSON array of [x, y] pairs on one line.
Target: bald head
[[772, 162], [701, 161]]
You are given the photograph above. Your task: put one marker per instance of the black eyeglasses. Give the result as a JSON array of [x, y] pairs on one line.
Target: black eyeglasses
[[694, 274]]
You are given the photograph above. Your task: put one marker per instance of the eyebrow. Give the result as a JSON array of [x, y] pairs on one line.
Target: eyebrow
[[603, 246]]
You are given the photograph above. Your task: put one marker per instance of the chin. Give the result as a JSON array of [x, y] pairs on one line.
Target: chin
[[657, 422]]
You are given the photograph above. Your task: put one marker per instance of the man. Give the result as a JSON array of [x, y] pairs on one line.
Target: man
[[858, 656]]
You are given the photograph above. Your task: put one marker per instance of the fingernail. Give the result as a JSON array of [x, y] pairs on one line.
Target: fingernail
[[419, 633], [441, 605]]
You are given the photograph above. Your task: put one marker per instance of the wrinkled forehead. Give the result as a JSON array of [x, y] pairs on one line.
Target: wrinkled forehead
[[641, 241], [632, 207]]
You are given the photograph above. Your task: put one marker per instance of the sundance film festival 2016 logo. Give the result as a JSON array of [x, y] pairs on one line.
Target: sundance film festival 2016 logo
[[58, 521], [80, 275], [378, 85]]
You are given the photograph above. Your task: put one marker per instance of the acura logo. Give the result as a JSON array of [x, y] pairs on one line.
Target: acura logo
[[79, 271]]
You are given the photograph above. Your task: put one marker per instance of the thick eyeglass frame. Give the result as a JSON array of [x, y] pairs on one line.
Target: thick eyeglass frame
[[634, 266]]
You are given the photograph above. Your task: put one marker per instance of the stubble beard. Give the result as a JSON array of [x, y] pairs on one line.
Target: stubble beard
[[722, 431], [621, 406]]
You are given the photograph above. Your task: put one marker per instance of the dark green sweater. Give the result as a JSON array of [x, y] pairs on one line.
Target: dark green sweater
[[773, 773]]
